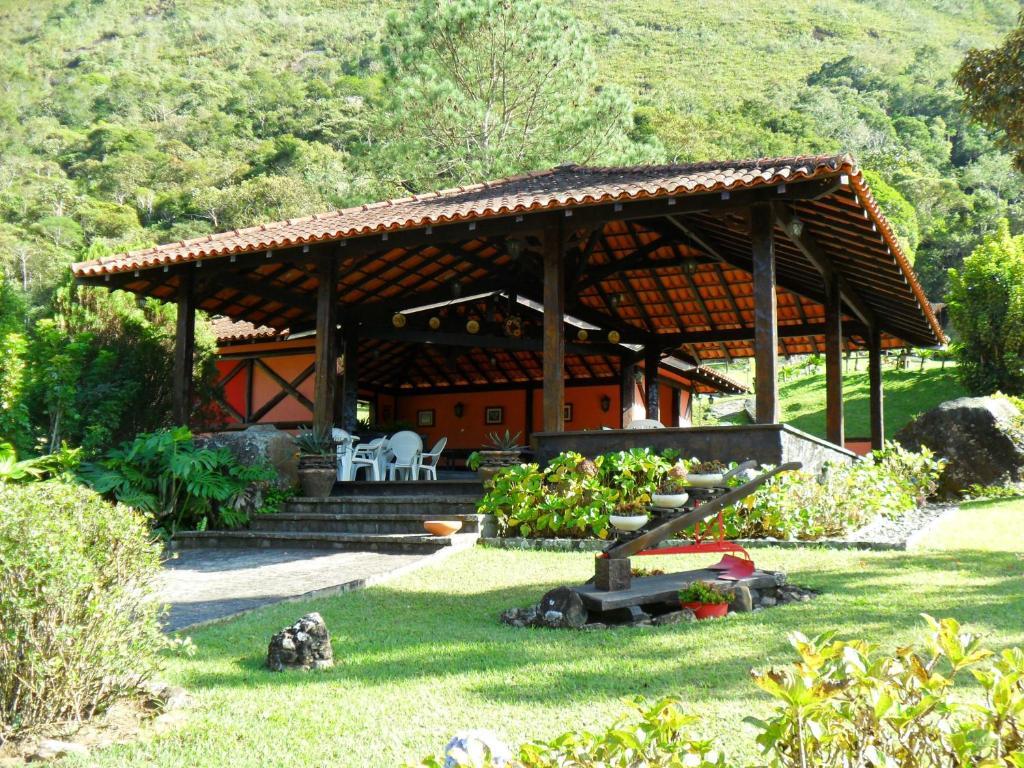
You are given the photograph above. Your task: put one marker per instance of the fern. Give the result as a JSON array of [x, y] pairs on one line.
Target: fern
[[181, 485]]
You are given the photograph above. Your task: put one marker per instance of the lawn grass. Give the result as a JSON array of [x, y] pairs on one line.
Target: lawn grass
[[908, 393], [425, 656]]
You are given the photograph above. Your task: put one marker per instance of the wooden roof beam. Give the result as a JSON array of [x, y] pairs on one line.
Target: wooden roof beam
[[808, 246]]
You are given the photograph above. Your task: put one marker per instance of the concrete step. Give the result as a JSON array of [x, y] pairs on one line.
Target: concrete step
[[371, 505], [472, 488], [360, 542], [375, 522]]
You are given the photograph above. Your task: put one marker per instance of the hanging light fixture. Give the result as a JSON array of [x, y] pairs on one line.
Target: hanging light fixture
[[690, 266], [582, 334], [398, 320], [614, 337], [434, 323], [473, 326]]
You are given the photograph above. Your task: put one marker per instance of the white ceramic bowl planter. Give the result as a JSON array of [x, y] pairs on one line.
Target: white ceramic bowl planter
[[706, 481], [628, 522], [669, 500]]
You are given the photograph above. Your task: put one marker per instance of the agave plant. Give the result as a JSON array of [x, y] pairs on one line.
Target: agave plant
[[506, 442], [315, 442]]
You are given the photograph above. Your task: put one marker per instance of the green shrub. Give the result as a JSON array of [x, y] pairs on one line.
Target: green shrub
[[704, 592], [797, 505], [77, 614], [183, 486], [844, 703], [574, 497]]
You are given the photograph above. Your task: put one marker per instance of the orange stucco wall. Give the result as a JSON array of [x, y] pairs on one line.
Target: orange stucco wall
[[468, 431]]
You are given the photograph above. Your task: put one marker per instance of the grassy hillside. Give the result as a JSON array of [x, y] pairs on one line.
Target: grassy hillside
[[908, 393]]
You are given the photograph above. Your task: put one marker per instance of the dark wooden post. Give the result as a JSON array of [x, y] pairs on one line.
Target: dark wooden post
[[652, 361], [834, 431], [875, 386], [766, 332], [350, 388], [325, 374], [677, 407], [627, 392], [184, 349], [554, 331]]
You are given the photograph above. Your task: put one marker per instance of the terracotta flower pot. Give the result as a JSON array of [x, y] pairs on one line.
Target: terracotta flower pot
[[442, 527], [708, 610]]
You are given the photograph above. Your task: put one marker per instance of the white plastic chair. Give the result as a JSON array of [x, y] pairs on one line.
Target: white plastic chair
[[367, 456], [345, 446], [645, 424], [406, 448], [430, 460]]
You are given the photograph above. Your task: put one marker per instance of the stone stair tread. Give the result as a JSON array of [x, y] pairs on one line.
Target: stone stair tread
[[382, 538], [360, 516]]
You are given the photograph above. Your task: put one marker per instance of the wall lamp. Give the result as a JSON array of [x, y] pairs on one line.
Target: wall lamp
[[460, 409], [606, 403]]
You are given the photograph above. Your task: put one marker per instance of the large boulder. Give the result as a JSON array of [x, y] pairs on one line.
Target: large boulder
[[258, 443], [980, 437]]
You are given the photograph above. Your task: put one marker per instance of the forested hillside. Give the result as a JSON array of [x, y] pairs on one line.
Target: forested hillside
[[126, 122]]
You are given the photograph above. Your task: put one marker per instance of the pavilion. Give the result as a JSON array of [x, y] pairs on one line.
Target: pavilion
[[695, 262]]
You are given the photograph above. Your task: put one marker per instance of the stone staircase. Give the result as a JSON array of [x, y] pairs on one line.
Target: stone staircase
[[361, 516]]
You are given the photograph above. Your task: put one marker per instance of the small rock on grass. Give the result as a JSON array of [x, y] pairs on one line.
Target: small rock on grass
[[674, 617], [51, 749]]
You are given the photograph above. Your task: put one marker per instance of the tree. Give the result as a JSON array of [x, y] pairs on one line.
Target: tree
[[986, 307], [478, 89], [993, 83]]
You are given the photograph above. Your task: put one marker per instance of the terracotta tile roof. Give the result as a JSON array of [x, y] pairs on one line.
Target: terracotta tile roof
[[561, 187], [228, 330]]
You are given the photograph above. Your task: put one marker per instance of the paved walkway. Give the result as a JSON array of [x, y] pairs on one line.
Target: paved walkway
[[203, 585]]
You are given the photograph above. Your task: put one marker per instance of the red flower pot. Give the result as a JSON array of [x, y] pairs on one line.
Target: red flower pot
[[708, 610]]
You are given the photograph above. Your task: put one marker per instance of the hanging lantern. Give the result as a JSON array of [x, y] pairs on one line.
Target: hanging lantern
[[473, 326], [398, 320], [582, 334], [614, 337], [514, 326], [434, 323]]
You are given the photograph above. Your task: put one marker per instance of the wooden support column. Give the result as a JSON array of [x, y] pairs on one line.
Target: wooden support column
[[652, 395], [325, 374], [877, 416], [627, 393], [766, 331], [184, 349], [554, 333], [677, 407], [350, 385], [834, 432]]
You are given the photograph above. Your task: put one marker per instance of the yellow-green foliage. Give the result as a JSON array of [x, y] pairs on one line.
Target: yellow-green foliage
[[78, 614]]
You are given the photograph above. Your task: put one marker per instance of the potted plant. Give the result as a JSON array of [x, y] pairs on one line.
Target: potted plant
[[671, 493], [498, 452], [705, 600], [318, 462], [630, 515], [707, 474]]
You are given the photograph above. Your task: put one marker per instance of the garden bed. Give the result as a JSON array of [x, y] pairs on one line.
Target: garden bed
[[881, 534]]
